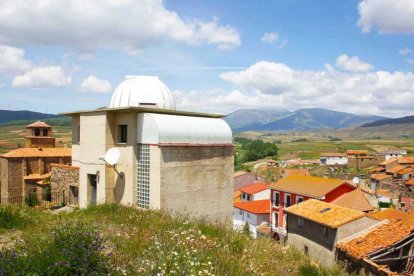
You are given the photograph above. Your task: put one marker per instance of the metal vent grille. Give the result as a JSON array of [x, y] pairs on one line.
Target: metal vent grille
[[143, 176]]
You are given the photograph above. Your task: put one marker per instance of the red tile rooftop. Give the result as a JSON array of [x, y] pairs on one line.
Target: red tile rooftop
[[256, 207], [254, 188]]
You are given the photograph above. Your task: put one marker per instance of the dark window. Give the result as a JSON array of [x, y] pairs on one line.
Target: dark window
[[276, 199], [37, 132], [45, 132], [122, 133], [78, 136], [299, 199], [306, 250], [276, 219], [287, 200]]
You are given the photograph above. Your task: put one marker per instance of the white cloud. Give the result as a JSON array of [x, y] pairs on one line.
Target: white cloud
[[405, 52], [273, 38], [276, 85], [387, 16], [42, 77], [353, 64], [95, 85], [88, 25], [12, 61]]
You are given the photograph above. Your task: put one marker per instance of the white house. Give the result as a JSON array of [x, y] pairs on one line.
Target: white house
[[252, 212], [388, 154], [255, 191], [334, 158]]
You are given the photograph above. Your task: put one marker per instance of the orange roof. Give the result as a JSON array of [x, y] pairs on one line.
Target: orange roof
[[255, 207], [377, 169], [380, 176], [384, 192], [307, 185], [236, 196], [390, 214], [328, 214], [389, 161], [355, 200], [36, 176], [410, 182], [333, 154], [406, 160], [395, 169], [38, 124], [263, 228], [406, 170], [254, 188], [38, 152], [357, 152], [381, 237]]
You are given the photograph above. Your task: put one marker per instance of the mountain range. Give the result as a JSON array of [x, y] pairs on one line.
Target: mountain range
[[302, 119], [396, 121], [25, 117]]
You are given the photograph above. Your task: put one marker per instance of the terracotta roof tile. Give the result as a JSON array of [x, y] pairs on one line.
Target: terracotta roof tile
[[389, 161], [38, 152], [36, 176], [264, 229], [406, 170], [377, 239], [357, 152], [355, 200], [38, 124], [380, 176], [377, 169], [406, 160], [328, 214], [307, 185], [254, 188], [395, 169], [333, 154], [390, 214], [236, 196], [410, 182], [255, 207], [384, 192]]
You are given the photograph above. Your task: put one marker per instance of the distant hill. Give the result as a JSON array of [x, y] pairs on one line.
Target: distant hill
[[25, 117], [396, 121], [302, 119]]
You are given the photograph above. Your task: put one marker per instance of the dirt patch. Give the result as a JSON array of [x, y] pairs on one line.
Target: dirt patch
[[8, 239]]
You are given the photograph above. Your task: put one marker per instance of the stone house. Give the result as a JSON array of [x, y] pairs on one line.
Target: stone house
[[316, 227], [64, 182], [378, 179]]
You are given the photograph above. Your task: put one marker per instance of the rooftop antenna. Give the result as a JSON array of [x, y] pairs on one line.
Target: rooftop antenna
[[111, 158]]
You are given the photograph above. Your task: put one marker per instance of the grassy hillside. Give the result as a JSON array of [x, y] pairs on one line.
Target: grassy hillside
[[126, 241]]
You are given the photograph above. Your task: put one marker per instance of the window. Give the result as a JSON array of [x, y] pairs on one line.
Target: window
[[306, 250], [276, 219], [276, 199], [37, 132], [325, 231], [301, 222], [247, 215], [240, 212], [78, 135], [122, 133], [287, 203], [299, 199], [143, 176], [45, 132], [248, 197]]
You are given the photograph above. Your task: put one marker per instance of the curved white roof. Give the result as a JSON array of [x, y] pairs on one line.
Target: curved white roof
[[142, 91], [156, 128]]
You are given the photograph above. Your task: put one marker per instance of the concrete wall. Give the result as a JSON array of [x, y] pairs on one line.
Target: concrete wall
[[261, 195], [334, 160], [198, 180], [354, 227]]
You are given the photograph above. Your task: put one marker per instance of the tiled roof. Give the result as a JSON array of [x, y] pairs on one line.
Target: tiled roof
[[381, 237], [307, 185], [395, 169], [254, 188], [389, 161], [406, 170], [355, 200], [36, 176], [263, 228], [255, 207], [328, 214], [380, 176], [38, 152], [357, 152], [333, 154], [406, 160], [236, 196], [410, 182], [38, 124], [377, 169], [384, 192], [390, 214]]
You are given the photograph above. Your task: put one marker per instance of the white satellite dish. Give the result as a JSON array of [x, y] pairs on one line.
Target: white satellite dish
[[355, 180], [112, 156]]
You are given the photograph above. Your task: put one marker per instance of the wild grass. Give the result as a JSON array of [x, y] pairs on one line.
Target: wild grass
[[123, 240]]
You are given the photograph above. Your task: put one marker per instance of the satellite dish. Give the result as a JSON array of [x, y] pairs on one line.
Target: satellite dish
[[112, 156], [355, 180]]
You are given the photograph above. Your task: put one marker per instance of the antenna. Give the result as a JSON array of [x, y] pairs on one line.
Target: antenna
[[111, 158]]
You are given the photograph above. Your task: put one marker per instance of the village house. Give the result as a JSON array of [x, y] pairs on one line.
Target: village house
[[407, 161], [356, 200], [295, 189], [365, 161], [242, 179], [316, 227], [254, 213], [392, 153], [387, 249], [24, 170], [166, 159], [255, 191], [388, 164], [405, 174], [377, 179], [333, 158]]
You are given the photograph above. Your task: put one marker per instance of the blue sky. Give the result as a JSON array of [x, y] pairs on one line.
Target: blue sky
[[216, 56]]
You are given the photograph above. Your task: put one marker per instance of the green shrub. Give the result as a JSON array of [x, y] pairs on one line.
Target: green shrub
[[14, 217], [31, 200]]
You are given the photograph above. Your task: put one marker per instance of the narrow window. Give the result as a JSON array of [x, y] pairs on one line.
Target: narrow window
[[287, 200], [45, 132], [37, 132], [299, 199], [276, 199], [78, 135], [122, 134], [306, 250], [276, 217]]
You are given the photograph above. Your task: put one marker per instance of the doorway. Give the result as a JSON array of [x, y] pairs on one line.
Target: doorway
[[92, 179]]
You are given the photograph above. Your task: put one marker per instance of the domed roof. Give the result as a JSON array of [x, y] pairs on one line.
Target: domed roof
[[142, 91]]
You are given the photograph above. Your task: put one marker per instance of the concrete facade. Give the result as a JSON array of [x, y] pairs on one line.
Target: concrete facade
[[240, 217]]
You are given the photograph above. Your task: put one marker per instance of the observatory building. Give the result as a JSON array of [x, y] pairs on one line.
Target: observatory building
[[141, 151]]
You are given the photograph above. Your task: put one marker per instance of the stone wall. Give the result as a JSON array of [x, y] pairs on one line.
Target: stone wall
[[62, 178], [15, 178]]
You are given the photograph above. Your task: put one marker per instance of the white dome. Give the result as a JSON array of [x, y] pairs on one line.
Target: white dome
[[142, 91]]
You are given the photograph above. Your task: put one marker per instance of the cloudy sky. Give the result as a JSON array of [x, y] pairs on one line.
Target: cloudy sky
[[216, 56]]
